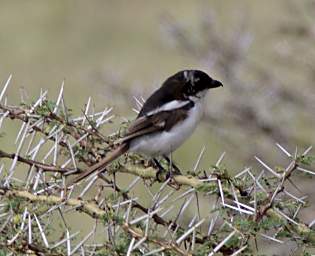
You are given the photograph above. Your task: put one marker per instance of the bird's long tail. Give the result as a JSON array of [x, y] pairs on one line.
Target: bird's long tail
[[102, 164]]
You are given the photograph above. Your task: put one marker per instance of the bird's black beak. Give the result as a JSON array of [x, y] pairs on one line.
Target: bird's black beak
[[215, 84]]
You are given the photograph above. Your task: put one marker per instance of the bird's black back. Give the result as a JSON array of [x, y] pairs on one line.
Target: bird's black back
[[169, 91]]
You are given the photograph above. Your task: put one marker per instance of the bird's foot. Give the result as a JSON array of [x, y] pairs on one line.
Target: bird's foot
[[160, 174], [171, 175]]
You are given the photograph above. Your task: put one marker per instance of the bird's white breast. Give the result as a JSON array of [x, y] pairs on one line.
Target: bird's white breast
[[165, 142]]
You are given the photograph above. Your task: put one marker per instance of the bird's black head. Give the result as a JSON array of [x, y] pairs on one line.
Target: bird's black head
[[196, 82], [185, 84]]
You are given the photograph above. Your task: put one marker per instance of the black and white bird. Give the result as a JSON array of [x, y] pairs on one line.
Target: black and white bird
[[168, 117]]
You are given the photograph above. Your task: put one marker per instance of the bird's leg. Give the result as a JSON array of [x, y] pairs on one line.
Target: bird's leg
[[173, 168]]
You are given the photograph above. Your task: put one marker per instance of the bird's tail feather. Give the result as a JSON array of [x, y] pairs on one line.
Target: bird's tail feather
[[102, 164]]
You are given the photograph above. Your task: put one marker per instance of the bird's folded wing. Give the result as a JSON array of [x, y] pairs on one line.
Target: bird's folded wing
[[163, 120], [146, 125]]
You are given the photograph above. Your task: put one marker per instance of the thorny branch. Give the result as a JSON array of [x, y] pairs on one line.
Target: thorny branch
[[90, 208], [44, 167], [236, 208]]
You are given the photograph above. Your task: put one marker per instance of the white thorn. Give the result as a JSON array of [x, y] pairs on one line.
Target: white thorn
[[267, 167], [5, 87]]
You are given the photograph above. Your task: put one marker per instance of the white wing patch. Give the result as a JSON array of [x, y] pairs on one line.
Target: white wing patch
[[174, 104]]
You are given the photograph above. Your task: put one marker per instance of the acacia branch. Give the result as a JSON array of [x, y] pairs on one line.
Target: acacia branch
[[150, 173], [143, 172], [75, 131], [235, 195], [44, 167], [90, 208]]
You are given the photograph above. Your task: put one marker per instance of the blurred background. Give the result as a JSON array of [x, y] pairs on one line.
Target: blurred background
[[262, 51]]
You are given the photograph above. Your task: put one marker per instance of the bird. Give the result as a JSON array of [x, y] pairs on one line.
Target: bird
[[166, 120]]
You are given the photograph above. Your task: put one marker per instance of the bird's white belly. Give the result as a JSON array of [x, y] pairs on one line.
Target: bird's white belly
[[163, 143]]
